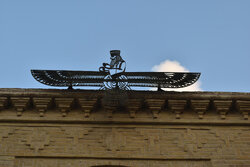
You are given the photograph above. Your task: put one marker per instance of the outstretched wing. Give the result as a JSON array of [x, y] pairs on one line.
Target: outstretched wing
[[162, 79], [69, 78], [96, 78]]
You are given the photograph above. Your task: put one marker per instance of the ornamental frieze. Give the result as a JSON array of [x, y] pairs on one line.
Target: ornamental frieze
[[99, 105], [123, 141]]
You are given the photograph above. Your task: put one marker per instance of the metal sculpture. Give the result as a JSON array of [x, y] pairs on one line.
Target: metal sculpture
[[116, 65], [113, 76]]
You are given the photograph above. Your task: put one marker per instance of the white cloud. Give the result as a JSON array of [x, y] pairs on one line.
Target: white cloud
[[175, 66]]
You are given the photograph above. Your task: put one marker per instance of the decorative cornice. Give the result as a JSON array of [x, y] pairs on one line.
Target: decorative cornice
[[42, 104], [161, 107], [155, 105], [244, 107], [133, 106], [200, 107], [223, 107], [64, 105], [20, 104], [87, 105], [3, 102], [177, 106]]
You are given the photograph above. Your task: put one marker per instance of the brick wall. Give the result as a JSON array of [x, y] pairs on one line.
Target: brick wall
[[59, 128]]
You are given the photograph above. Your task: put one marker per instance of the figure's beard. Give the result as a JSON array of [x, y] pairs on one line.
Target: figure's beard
[[114, 61]]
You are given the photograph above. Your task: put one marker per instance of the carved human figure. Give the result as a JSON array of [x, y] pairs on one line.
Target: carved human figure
[[116, 65]]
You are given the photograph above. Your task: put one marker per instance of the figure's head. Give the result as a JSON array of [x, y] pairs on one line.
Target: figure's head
[[115, 58]]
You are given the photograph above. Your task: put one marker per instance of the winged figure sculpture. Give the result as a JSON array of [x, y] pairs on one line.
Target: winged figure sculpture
[[113, 75]]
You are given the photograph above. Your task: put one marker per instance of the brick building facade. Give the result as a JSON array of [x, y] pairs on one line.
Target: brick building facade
[[77, 128]]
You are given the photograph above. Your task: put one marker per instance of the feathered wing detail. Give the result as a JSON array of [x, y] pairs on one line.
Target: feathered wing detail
[[161, 79], [96, 78], [69, 78]]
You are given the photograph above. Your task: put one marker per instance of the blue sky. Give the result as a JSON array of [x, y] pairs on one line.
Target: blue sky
[[211, 37]]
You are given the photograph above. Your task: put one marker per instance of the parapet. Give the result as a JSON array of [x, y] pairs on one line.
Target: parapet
[[90, 128], [90, 106]]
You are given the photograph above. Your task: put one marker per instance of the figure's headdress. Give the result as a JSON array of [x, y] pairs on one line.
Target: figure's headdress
[[115, 52]]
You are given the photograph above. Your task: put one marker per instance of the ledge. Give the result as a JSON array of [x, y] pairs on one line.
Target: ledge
[[132, 107]]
